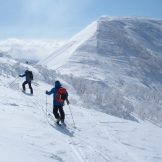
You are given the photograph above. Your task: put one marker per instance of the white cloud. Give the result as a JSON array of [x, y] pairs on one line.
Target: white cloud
[[34, 49]]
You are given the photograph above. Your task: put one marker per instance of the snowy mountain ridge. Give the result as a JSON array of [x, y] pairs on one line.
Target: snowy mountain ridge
[[116, 67], [66, 51]]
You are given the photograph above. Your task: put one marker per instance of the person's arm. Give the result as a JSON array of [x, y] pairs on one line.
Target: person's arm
[[22, 75], [67, 100], [50, 92]]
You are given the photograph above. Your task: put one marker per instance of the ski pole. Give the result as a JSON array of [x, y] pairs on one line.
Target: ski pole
[[13, 81], [72, 116], [46, 107]]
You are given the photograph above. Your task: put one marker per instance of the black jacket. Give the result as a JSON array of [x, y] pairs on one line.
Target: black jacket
[[27, 75]]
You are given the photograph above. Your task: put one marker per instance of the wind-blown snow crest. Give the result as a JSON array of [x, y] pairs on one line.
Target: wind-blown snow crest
[[63, 54]]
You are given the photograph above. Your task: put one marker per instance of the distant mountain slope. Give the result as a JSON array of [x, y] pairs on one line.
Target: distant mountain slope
[[116, 64]]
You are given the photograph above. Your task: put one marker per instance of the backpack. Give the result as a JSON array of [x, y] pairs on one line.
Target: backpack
[[30, 75], [61, 95]]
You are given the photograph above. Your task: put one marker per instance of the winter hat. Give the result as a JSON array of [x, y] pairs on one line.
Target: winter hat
[[57, 84]]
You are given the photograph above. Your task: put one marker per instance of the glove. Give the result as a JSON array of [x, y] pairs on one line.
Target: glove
[[19, 75], [46, 92]]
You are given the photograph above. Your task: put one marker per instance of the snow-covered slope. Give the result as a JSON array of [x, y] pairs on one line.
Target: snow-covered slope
[[63, 54], [118, 65], [27, 133]]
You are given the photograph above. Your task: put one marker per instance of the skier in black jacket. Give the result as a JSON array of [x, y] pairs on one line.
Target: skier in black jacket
[[29, 77]]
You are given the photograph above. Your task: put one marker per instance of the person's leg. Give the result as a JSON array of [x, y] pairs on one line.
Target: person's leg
[[23, 85], [55, 112], [62, 114], [30, 87]]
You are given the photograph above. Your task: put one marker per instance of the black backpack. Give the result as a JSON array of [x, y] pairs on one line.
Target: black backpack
[[30, 75]]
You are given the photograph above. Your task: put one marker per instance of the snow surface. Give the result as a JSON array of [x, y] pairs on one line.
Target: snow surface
[[28, 132]]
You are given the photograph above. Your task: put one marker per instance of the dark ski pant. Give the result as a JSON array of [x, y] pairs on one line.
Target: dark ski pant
[[30, 87], [61, 114]]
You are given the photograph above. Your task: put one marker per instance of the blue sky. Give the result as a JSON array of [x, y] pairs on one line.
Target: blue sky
[[64, 18]]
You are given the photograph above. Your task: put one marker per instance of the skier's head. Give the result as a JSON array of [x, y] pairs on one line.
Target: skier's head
[[57, 84]]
